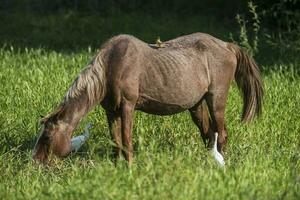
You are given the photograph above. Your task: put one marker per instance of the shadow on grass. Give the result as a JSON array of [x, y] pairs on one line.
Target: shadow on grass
[[9, 143]]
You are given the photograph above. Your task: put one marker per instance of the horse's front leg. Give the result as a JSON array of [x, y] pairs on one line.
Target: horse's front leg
[[127, 110], [114, 122]]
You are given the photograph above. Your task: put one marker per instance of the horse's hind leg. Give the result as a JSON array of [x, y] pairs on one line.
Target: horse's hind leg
[[216, 103], [201, 118], [114, 122]]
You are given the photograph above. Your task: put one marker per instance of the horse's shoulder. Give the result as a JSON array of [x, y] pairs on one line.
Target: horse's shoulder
[[122, 44]]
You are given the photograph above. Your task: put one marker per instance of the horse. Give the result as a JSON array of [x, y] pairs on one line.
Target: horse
[[191, 72]]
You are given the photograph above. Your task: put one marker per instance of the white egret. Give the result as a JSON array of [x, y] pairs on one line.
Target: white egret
[[216, 154], [78, 141]]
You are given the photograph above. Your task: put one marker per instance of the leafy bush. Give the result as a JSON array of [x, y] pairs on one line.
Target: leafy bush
[[282, 17], [248, 34]]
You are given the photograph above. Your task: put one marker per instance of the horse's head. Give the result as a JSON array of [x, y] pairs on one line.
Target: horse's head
[[54, 138]]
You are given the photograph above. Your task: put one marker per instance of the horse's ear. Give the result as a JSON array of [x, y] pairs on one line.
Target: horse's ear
[[58, 113], [43, 119], [53, 116]]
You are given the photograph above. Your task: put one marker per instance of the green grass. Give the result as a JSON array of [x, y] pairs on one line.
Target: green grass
[[170, 160]]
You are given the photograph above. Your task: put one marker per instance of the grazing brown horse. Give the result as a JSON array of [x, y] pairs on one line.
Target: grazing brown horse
[[191, 72]]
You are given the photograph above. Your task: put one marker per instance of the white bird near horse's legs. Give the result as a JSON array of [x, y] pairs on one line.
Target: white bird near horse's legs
[[78, 141], [216, 154]]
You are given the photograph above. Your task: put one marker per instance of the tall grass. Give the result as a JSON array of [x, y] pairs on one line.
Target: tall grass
[[170, 160]]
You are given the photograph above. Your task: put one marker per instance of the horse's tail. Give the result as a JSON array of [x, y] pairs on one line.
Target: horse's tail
[[248, 78], [91, 82]]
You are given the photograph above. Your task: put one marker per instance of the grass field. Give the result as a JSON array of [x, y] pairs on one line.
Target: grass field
[[263, 160], [170, 160]]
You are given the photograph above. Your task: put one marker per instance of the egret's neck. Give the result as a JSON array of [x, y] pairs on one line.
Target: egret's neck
[[216, 139]]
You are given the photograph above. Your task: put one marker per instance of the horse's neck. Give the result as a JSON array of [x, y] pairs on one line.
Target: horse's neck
[[75, 110]]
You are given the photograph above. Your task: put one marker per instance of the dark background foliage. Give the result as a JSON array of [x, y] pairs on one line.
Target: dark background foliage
[[104, 7], [79, 24]]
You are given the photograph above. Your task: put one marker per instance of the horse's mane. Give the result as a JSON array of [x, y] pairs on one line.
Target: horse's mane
[[90, 83]]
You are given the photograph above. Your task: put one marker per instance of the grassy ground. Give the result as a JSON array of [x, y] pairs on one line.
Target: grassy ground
[[170, 160]]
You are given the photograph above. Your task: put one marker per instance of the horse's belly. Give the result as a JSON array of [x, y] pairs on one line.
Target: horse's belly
[[160, 106], [171, 95], [171, 83], [156, 107]]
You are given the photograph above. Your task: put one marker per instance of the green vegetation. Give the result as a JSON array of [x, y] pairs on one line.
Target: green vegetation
[[170, 160], [38, 64]]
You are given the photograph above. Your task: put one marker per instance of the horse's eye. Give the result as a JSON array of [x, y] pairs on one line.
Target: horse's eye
[[46, 138]]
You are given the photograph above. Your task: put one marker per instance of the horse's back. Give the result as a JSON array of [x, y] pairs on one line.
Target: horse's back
[[221, 61], [164, 80]]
